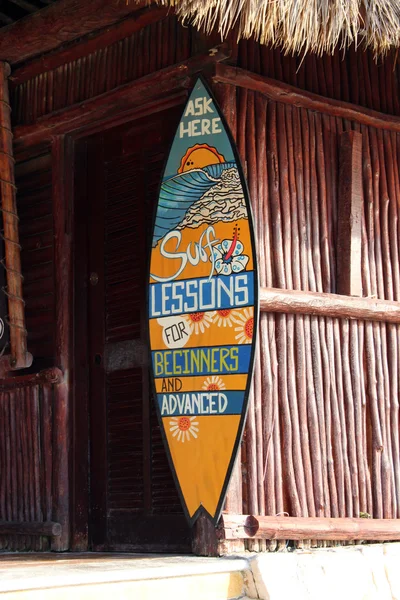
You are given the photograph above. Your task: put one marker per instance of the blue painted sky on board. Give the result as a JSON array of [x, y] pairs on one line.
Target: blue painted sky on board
[[220, 141]]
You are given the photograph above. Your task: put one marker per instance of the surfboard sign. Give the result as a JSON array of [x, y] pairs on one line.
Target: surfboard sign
[[203, 305]]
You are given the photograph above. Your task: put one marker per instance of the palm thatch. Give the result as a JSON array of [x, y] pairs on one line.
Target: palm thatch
[[299, 26]]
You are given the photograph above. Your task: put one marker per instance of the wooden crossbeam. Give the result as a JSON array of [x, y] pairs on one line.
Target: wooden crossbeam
[[307, 528], [328, 305], [49, 528]]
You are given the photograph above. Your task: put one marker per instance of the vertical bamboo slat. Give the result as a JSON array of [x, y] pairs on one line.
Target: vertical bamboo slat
[[25, 462]]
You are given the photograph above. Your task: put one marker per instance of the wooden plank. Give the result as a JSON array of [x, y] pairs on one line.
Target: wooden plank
[[328, 305], [47, 528], [288, 94], [305, 528], [350, 197], [63, 21]]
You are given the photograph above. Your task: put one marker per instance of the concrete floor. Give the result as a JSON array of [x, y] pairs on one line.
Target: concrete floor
[[120, 576]]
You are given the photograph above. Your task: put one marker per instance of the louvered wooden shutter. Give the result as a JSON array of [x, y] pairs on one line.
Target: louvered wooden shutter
[[143, 510]]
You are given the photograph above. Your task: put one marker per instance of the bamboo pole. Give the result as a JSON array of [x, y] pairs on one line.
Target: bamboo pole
[[298, 528], [328, 305], [19, 355]]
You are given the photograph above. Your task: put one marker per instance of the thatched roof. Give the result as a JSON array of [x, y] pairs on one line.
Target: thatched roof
[[300, 26]]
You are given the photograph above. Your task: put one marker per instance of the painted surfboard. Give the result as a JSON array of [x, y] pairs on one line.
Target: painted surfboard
[[203, 305]]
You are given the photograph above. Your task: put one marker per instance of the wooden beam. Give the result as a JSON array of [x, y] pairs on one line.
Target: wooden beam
[[49, 528], [350, 198], [58, 23], [16, 309], [94, 43], [307, 528], [288, 94], [159, 87], [328, 305]]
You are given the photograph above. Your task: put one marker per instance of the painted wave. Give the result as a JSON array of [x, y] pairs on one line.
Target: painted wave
[[180, 192]]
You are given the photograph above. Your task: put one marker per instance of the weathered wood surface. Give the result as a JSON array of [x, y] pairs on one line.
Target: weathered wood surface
[[287, 94], [328, 305], [299, 528]]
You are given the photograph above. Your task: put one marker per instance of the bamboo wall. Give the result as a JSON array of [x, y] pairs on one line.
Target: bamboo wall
[[26, 462], [352, 76], [322, 435]]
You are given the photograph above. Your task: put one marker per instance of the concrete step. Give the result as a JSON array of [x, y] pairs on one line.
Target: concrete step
[[120, 577]]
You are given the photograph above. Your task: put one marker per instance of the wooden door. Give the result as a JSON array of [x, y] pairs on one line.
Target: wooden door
[[134, 504]]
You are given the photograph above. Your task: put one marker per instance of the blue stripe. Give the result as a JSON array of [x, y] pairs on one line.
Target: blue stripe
[[211, 360], [200, 295], [201, 403]]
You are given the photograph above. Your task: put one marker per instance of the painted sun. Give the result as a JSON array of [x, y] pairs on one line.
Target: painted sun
[[182, 428], [245, 326], [199, 321], [224, 317], [213, 384], [199, 156]]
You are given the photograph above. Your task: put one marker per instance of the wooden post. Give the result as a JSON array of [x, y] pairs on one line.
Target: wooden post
[[349, 270], [61, 162], [19, 356]]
